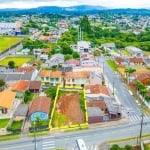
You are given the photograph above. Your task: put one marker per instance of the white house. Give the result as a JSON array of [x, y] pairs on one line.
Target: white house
[[37, 51], [43, 57], [134, 51], [84, 47]]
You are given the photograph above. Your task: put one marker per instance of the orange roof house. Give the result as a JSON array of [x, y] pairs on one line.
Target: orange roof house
[[51, 74], [6, 98], [97, 89], [20, 86]]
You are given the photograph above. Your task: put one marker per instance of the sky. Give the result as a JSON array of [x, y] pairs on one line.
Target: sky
[[105, 3]]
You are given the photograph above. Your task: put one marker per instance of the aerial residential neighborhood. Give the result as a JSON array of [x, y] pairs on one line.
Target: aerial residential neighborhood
[[74, 78]]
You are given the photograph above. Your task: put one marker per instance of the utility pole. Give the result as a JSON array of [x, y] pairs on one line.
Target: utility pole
[[113, 86], [34, 137], [141, 127]]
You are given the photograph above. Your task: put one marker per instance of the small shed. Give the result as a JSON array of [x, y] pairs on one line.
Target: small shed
[[35, 86]]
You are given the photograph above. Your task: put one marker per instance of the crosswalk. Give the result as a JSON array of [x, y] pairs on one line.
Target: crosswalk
[[137, 118], [48, 145], [91, 147]]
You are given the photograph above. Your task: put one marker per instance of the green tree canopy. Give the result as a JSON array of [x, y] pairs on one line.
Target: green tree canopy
[[11, 64]]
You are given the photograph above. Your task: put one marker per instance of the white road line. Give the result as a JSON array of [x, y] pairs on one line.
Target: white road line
[[49, 142], [48, 147], [47, 137]]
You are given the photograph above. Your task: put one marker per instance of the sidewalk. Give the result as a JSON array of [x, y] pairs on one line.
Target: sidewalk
[[109, 124]]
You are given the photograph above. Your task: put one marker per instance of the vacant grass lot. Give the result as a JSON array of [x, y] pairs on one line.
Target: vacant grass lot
[[3, 123], [112, 65], [121, 70], [6, 42], [147, 147], [19, 61]]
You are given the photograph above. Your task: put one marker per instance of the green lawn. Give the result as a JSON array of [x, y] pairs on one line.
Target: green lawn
[[19, 61], [6, 42], [112, 65], [3, 123], [16, 125], [147, 147], [9, 137]]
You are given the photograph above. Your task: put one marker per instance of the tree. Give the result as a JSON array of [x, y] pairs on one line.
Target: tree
[[11, 64], [51, 92], [75, 55], [128, 72], [115, 147], [65, 48], [2, 84], [27, 96], [68, 56]]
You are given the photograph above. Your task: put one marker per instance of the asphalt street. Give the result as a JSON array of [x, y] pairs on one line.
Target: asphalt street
[[91, 137]]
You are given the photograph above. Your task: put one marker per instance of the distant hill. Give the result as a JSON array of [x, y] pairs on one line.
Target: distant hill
[[77, 10]]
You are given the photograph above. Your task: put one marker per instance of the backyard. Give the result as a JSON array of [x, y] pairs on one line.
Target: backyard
[[68, 110], [19, 61], [6, 42], [3, 123]]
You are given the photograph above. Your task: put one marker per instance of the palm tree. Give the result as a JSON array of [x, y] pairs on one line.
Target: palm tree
[[128, 72]]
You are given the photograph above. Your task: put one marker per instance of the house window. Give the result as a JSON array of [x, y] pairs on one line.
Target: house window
[[57, 79], [47, 78], [42, 78]]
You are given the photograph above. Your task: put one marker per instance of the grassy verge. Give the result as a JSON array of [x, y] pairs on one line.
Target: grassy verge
[[39, 133], [112, 65], [3, 123], [9, 137], [127, 139]]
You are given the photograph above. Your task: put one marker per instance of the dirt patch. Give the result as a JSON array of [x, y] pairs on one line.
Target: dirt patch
[[69, 105]]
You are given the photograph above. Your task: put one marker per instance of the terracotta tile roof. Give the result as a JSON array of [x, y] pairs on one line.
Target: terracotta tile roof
[[81, 74], [140, 76], [119, 60], [26, 69], [73, 61], [97, 89], [35, 85], [46, 50], [6, 98], [136, 60], [41, 103], [20, 86], [49, 73]]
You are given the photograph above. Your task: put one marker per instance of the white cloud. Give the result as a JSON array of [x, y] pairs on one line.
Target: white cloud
[[106, 3]]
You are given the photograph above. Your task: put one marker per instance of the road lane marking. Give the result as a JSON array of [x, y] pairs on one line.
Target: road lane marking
[[47, 137], [15, 147], [49, 142], [48, 147]]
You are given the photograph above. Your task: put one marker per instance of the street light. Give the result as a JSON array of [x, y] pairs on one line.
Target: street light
[[34, 137]]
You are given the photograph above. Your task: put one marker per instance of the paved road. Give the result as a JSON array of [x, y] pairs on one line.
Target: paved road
[[129, 105], [11, 51], [92, 137]]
